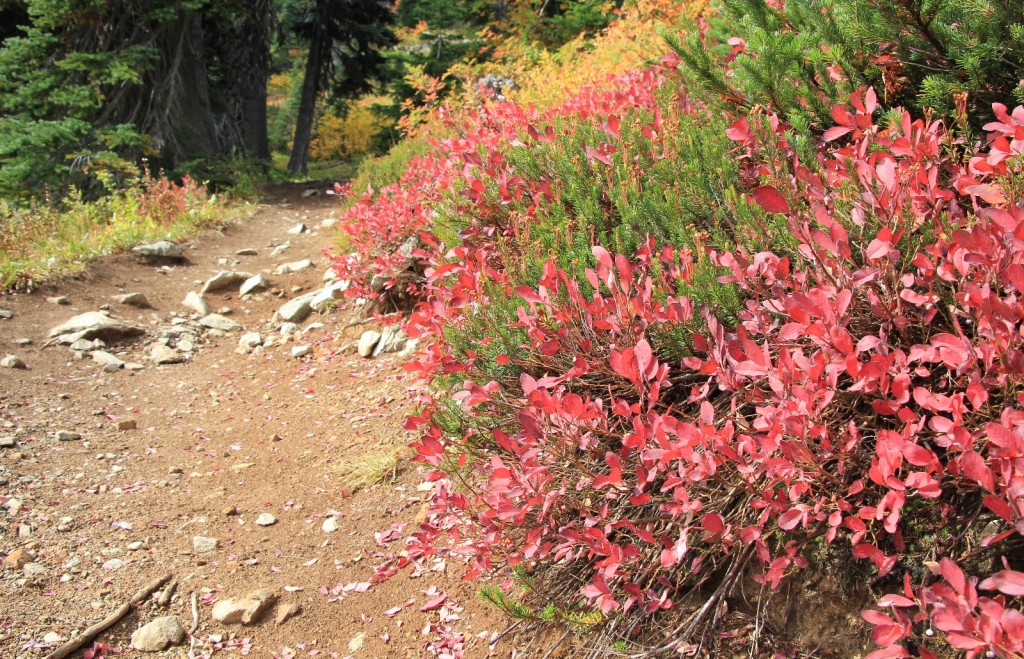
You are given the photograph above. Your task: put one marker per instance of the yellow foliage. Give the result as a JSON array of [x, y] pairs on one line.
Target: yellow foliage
[[339, 138]]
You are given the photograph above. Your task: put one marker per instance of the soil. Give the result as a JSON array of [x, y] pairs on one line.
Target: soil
[[218, 440]]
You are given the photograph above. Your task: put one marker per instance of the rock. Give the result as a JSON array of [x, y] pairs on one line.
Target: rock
[[309, 192], [133, 300], [392, 339], [11, 361], [6, 315], [52, 638], [127, 424], [132, 366], [161, 354], [219, 322], [67, 436], [246, 610], [84, 345], [248, 251], [379, 282], [287, 329], [60, 300], [93, 325], [7, 442], [367, 342], [107, 359], [280, 249], [203, 545], [229, 511], [285, 612], [34, 569], [160, 250], [158, 634], [295, 266], [266, 519], [256, 282], [330, 275], [328, 295], [330, 525], [408, 247], [22, 342], [224, 279], [357, 642], [297, 229], [196, 302], [17, 559], [298, 352], [296, 311], [250, 340]]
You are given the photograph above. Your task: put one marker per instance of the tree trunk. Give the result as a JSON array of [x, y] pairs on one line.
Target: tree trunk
[[254, 102], [318, 51]]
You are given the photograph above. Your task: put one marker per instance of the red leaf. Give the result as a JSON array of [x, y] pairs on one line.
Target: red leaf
[[974, 467], [836, 132], [1008, 582], [770, 199], [713, 523], [435, 603], [898, 601], [952, 573], [791, 519]]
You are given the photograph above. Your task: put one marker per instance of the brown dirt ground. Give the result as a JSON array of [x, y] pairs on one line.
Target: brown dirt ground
[[204, 443]]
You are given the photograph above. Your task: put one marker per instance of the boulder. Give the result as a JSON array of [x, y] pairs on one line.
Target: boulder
[[392, 339], [294, 266], [224, 279], [219, 322], [163, 249], [12, 361], [254, 283], [196, 302], [93, 325], [162, 354], [367, 342], [246, 610], [296, 310], [133, 300], [158, 634]]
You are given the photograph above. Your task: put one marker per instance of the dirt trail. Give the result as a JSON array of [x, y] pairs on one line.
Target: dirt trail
[[219, 440]]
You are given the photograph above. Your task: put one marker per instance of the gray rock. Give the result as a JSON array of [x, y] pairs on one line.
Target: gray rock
[[161, 354], [298, 352], [330, 525], [133, 300], [204, 545], [132, 366], [67, 436], [219, 322], [162, 250], [224, 279], [266, 519], [280, 249], [256, 282], [158, 634], [309, 192], [107, 359], [330, 275], [83, 345], [294, 266], [11, 361], [287, 611], [7, 442], [327, 295], [368, 342], [196, 302], [6, 315], [392, 339], [297, 229], [287, 328], [93, 325], [379, 282], [246, 610], [296, 310], [250, 340], [59, 300], [248, 251]]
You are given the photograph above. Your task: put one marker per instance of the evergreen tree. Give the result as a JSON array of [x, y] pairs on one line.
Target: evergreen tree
[[956, 57], [345, 39]]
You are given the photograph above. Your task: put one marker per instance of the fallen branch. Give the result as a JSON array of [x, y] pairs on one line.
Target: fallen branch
[[195, 614], [91, 633], [165, 597]]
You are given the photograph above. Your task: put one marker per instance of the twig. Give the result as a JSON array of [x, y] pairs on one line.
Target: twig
[[505, 633], [165, 597], [91, 633], [555, 646], [195, 614]]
